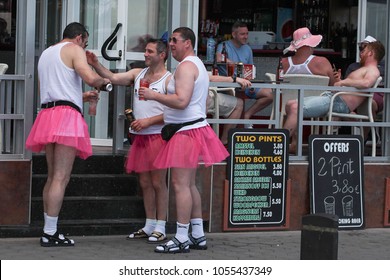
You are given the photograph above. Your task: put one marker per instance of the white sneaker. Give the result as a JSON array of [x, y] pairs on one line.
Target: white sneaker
[[248, 125]]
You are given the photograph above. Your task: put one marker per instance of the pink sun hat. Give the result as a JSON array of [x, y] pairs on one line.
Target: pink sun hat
[[303, 37]]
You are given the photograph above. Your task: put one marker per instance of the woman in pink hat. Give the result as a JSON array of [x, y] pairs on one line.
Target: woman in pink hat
[[303, 61]]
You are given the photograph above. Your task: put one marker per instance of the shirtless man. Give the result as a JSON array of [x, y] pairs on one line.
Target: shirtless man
[[362, 78]]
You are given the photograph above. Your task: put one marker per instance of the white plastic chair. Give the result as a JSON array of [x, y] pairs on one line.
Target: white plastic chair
[[291, 94], [213, 109], [363, 112], [3, 69]]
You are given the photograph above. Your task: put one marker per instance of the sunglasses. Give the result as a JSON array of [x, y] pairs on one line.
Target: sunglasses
[[174, 40]]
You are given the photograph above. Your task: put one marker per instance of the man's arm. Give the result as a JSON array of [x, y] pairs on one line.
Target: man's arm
[[140, 124], [321, 66], [75, 56], [244, 83], [361, 78], [123, 79], [185, 77]]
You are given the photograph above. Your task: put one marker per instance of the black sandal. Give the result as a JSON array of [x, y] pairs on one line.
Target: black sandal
[[55, 240], [139, 234], [195, 242], [176, 247]]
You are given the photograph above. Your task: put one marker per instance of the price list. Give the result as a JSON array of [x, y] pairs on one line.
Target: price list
[[257, 177], [336, 178]]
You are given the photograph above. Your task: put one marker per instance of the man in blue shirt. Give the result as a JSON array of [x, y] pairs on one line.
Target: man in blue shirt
[[239, 51]]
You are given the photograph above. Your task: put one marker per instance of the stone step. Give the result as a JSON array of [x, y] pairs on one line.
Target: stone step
[[100, 199], [77, 228], [96, 164], [93, 207], [96, 184]]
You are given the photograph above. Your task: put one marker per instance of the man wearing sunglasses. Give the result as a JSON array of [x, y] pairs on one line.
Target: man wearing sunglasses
[[377, 102], [196, 140]]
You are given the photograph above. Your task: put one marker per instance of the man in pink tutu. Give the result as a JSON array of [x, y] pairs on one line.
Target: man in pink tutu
[[60, 128], [147, 141], [186, 102]]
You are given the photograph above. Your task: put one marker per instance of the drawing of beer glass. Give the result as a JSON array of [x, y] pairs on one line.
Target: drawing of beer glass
[[347, 203], [329, 203]]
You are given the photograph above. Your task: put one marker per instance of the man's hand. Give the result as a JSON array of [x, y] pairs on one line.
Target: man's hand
[[91, 58], [89, 95], [244, 83], [140, 124], [145, 93]]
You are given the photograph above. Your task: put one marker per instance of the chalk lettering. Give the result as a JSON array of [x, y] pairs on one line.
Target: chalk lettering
[[336, 147]]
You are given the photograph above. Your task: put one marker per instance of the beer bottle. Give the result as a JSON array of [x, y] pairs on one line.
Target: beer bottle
[[224, 54], [279, 71], [215, 66]]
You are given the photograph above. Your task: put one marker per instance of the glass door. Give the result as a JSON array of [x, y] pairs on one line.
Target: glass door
[[128, 23]]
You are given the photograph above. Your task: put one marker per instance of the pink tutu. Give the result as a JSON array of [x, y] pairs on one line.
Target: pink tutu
[[62, 125], [143, 152], [187, 148]]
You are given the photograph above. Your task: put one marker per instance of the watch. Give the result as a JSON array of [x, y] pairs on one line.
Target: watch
[[234, 79]]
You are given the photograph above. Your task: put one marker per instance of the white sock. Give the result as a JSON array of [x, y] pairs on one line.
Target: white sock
[[160, 226], [182, 232], [50, 226], [197, 227], [150, 224]]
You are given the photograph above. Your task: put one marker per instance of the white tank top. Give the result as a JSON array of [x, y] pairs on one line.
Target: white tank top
[[299, 68], [150, 108], [197, 107], [56, 80]]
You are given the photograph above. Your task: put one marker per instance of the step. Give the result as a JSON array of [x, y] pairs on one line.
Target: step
[[100, 199], [96, 184], [76, 228], [93, 207], [96, 164]]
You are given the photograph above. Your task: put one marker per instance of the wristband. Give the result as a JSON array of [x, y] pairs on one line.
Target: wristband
[[234, 79]]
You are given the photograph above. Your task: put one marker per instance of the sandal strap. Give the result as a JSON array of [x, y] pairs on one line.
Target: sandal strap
[[196, 241], [138, 234], [182, 247], [157, 234], [56, 239]]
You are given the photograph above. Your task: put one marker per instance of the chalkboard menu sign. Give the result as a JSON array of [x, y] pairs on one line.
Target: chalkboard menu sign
[[257, 175], [336, 178]]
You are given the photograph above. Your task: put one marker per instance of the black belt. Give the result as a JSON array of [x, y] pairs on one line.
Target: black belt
[[60, 103]]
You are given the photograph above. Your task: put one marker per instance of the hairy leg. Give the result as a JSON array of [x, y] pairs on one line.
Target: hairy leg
[[61, 160], [181, 182], [291, 122], [161, 193], [263, 98], [148, 193]]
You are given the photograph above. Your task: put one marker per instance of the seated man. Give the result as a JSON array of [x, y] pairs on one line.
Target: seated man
[[377, 102], [238, 50], [230, 107], [362, 78]]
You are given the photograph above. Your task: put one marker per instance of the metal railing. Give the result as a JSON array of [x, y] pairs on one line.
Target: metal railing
[[14, 130], [301, 123], [12, 117]]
